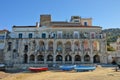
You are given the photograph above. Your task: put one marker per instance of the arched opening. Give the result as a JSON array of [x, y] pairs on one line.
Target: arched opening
[[96, 59], [77, 58], [68, 58], [58, 58], [40, 58], [41, 45], [95, 46], [59, 46], [25, 58], [50, 45], [86, 58], [76, 45], [68, 46], [85, 44], [113, 60], [32, 57], [49, 58]]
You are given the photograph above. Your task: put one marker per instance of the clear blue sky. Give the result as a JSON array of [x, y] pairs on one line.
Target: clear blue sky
[[105, 13]]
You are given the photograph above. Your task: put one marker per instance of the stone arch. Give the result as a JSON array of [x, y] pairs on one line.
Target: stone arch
[[76, 45], [49, 58], [68, 58], [96, 59], [41, 43], [59, 58], [85, 43], [32, 57], [96, 46], [68, 45], [86, 57], [25, 58], [77, 58], [59, 45], [50, 45], [40, 58]]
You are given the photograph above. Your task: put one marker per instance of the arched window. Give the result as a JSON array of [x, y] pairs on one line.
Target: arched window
[[25, 58], [58, 58], [77, 58], [86, 58], [85, 24], [40, 58], [49, 58], [96, 59], [32, 57]]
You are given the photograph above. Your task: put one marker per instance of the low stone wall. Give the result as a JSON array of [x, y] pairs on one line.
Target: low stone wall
[[26, 66]]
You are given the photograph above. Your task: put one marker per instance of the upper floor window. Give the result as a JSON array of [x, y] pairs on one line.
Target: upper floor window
[[26, 48], [59, 34], [76, 34], [85, 24], [30, 35], [20, 35], [92, 35], [43, 35]]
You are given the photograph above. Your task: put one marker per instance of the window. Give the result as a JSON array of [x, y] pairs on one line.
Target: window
[[30, 35], [26, 48], [76, 34], [59, 34], [2, 37], [85, 24], [20, 35], [9, 46], [43, 35]]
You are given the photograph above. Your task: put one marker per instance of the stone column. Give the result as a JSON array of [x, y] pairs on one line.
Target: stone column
[[28, 61], [46, 44], [63, 54], [63, 59], [82, 58], [35, 58], [45, 58], [54, 59], [72, 46], [91, 59], [73, 59]]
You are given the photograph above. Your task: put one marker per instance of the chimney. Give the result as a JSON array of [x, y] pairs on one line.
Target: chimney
[[37, 24]]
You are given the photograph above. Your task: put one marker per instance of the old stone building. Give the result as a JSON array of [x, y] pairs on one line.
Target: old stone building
[[56, 42], [3, 35]]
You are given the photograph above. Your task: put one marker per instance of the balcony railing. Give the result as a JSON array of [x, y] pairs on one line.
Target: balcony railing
[[50, 48], [68, 49], [67, 36]]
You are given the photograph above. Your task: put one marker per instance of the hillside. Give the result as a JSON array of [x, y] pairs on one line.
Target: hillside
[[112, 34]]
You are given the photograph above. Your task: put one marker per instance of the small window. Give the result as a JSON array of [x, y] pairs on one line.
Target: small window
[[43, 35], [26, 48], [20, 35], [30, 35], [9, 46], [85, 24]]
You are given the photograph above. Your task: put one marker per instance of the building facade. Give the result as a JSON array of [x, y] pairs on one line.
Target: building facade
[[56, 42], [3, 35]]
